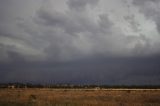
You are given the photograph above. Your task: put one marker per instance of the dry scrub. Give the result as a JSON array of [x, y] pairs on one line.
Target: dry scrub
[[73, 97]]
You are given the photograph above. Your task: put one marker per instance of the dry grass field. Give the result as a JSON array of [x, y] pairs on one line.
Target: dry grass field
[[79, 97]]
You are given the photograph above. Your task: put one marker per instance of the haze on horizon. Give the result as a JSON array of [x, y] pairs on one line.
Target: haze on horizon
[[80, 41]]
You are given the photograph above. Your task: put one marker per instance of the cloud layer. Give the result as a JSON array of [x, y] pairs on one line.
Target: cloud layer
[[54, 31], [38, 31]]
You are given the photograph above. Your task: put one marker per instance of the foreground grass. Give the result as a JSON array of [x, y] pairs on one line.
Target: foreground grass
[[81, 97]]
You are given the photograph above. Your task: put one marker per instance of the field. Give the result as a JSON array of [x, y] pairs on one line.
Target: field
[[79, 97]]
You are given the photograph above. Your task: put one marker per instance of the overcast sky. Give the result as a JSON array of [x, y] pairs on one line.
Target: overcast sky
[[80, 41]]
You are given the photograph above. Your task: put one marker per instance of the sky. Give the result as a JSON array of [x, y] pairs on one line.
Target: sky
[[80, 41]]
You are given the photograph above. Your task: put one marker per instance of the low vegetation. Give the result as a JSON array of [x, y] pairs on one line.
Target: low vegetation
[[78, 97]]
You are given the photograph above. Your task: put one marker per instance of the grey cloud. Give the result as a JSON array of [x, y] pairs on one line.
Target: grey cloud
[[67, 35], [80, 5], [133, 24], [75, 31], [12, 36], [144, 1], [68, 22], [139, 44], [80, 43], [150, 8]]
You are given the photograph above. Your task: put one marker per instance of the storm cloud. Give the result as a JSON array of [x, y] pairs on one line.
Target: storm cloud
[[80, 41]]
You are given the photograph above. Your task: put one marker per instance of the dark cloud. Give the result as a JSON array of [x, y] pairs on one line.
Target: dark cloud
[[93, 71], [78, 41]]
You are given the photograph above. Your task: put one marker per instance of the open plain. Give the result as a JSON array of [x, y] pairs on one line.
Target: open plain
[[79, 97]]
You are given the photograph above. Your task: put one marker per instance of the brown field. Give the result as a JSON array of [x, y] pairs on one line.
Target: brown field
[[79, 97]]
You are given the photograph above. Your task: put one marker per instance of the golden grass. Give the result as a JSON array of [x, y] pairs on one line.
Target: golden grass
[[81, 97]]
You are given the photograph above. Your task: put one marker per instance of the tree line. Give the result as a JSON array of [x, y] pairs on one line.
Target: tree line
[[68, 86]]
